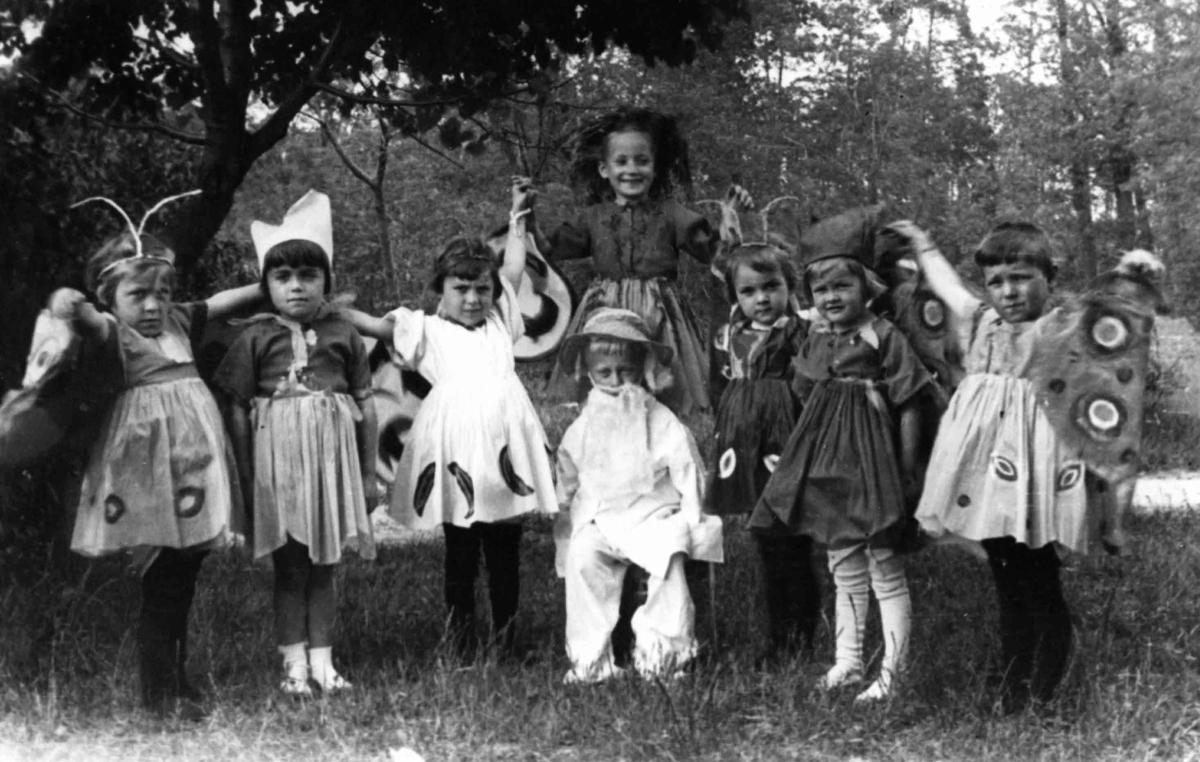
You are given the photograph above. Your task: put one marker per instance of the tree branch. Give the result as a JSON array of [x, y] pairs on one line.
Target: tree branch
[[275, 128], [421, 142], [337, 147], [205, 39], [370, 100], [190, 138]]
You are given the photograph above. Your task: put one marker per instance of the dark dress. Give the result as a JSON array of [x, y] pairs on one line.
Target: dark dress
[[838, 479], [757, 409], [635, 252]]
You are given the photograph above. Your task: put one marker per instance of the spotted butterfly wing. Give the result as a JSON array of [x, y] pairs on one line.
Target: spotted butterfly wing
[[1089, 371]]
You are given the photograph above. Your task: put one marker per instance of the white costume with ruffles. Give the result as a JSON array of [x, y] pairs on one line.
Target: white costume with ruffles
[[629, 472]]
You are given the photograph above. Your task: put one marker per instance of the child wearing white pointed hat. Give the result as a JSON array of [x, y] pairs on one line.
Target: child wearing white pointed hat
[[303, 427], [630, 482], [160, 482]]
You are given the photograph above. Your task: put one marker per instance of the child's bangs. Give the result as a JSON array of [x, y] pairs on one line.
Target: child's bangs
[[608, 346], [467, 269], [134, 267], [296, 252], [833, 267], [1013, 243], [762, 258]]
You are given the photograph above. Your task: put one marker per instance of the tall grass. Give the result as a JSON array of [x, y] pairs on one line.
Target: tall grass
[[1133, 691]]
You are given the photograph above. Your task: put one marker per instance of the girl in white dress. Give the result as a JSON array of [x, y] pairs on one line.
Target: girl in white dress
[[478, 457]]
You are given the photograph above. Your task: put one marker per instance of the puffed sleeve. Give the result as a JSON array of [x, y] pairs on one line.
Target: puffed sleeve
[[903, 373], [570, 241], [693, 232], [408, 335], [237, 375], [510, 310], [358, 368]]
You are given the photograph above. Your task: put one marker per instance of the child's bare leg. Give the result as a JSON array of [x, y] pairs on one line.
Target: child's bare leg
[[322, 608], [292, 571]]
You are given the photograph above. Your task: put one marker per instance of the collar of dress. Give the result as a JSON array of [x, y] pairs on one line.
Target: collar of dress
[[865, 331]]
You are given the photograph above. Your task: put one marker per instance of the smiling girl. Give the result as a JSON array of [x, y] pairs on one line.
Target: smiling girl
[[629, 161], [844, 473]]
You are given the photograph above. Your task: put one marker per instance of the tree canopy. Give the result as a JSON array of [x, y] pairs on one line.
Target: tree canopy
[[229, 76]]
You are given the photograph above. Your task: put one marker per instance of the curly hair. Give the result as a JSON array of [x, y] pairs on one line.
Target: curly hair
[[671, 164]]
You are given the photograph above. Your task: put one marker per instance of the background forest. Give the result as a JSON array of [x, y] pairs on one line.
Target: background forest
[[1077, 114]]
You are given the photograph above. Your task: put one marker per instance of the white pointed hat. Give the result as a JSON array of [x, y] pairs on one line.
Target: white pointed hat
[[309, 219]]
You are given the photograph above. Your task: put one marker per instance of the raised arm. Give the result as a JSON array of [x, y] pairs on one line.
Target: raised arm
[[368, 325], [72, 306], [939, 274], [234, 300], [944, 281], [513, 266]]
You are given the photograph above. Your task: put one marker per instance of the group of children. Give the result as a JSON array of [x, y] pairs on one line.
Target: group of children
[[818, 432]]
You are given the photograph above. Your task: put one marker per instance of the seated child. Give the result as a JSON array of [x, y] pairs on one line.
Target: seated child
[[630, 484]]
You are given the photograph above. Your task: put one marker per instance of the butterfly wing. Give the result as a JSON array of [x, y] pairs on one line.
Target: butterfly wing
[[1089, 370]]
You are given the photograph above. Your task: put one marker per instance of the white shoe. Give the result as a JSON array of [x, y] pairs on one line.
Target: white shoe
[[295, 682], [838, 676], [880, 690], [334, 683]]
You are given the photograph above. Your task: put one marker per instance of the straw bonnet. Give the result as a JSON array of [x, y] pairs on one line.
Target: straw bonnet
[[611, 323]]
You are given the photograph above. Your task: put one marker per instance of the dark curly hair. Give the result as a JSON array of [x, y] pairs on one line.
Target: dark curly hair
[[671, 164]]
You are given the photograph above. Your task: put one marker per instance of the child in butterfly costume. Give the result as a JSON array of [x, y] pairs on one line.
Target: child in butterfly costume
[[1039, 446]]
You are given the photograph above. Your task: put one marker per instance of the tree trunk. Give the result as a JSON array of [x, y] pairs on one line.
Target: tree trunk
[[222, 170], [1079, 168]]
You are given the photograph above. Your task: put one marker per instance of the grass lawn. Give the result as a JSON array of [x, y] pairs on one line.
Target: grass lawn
[[68, 668], [1133, 691]]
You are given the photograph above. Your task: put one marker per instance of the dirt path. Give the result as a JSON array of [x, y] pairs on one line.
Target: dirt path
[[1178, 351]]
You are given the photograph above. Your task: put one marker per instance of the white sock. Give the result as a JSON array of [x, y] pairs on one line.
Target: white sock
[[295, 660], [852, 581], [320, 660], [895, 618]]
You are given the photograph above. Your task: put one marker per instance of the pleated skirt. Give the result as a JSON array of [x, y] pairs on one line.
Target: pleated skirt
[[307, 479]]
